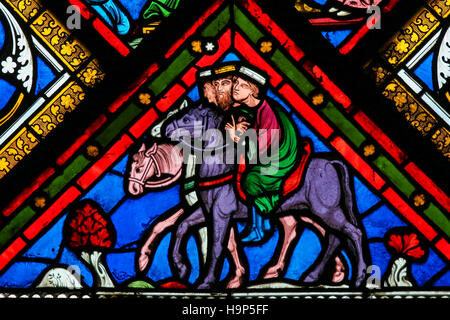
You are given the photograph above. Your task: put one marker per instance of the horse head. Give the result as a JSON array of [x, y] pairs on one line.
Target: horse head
[[156, 167], [194, 123]]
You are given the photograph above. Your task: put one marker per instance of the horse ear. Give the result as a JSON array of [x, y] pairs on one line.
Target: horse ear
[[152, 150], [142, 149]]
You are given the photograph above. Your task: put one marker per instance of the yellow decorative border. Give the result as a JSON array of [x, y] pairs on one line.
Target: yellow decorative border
[[92, 74], [441, 137], [16, 150], [53, 113], [74, 56], [26, 9], [56, 36], [441, 7], [399, 48], [405, 42], [415, 113]]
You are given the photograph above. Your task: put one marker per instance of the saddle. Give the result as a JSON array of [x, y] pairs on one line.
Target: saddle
[[292, 182]]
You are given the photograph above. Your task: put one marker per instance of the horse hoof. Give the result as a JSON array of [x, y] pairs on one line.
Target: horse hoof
[[234, 283], [182, 271], [204, 286], [338, 277], [143, 262], [310, 279], [359, 282], [273, 273]]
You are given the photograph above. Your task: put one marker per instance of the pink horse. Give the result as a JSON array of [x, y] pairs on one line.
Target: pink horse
[[165, 161]]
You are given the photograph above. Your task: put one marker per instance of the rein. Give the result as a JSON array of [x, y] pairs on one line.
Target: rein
[[213, 181]]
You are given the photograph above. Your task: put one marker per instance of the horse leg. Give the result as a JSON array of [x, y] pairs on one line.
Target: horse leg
[[332, 244], [289, 224], [338, 222], [156, 230], [290, 233], [239, 271], [339, 271], [193, 219], [325, 194], [222, 210], [355, 235]]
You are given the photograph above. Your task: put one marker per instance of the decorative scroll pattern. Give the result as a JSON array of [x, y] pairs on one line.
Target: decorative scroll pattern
[[27, 9], [441, 7], [413, 111], [74, 56], [71, 52], [16, 150], [442, 139], [398, 49], [92, 74], [407, 40], [54, 113]]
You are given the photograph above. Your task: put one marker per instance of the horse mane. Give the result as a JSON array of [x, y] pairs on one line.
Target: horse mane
[[213, 113], [169, 158]]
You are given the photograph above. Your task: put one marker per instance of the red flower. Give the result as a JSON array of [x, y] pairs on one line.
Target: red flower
[[89, 226], [173, 285], [406, 244]]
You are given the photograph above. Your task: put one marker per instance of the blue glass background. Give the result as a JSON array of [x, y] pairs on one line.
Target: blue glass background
[[336, 37], [133, 216], [425, 71]]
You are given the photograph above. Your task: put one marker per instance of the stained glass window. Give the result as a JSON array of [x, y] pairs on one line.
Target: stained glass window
[[227, 147]]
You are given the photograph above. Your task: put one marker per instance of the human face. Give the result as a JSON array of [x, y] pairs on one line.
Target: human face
[[223, 86], [223, 91], [210, 93], [241, 90]]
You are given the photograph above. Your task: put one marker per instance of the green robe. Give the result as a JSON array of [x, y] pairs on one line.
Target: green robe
[[263, 182], [160, 8]]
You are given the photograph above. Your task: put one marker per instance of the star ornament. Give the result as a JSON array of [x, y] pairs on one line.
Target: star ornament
[[210, 46]]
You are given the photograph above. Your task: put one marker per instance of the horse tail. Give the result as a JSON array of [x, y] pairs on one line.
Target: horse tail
[[348, 197]]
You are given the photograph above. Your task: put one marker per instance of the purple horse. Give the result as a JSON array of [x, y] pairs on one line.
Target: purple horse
[[325, 194]]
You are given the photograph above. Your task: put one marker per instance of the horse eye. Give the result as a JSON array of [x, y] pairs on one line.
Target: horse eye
[[186, 120], [138, 170]]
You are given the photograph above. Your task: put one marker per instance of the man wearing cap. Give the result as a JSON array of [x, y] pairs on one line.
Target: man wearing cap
[[262, 182], [209, 94]]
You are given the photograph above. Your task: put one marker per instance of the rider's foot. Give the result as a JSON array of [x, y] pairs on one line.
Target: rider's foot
[[253, 236]]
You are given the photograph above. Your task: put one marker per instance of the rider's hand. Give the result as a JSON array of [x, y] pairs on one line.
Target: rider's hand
[[242, 127], [231, 131]]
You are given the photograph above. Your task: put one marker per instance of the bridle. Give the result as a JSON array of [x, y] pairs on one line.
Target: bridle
[[154, 184]]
